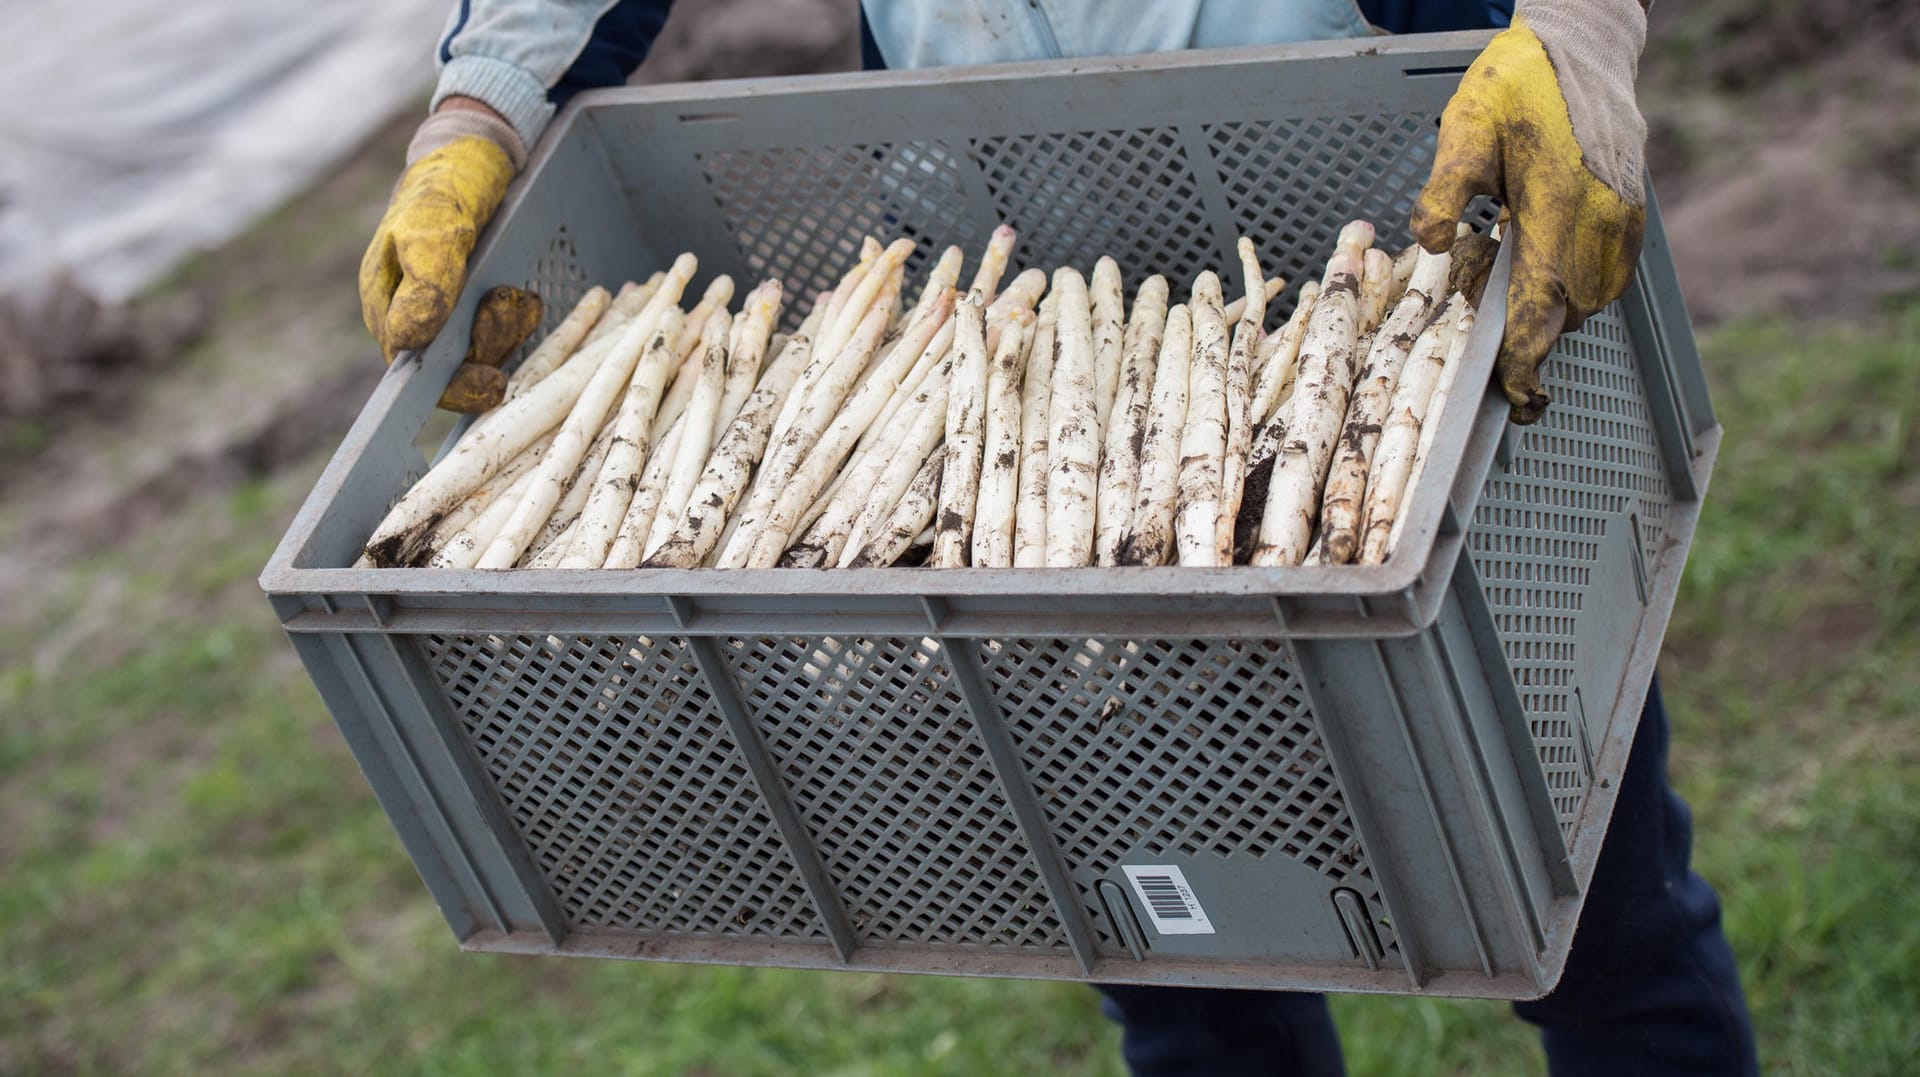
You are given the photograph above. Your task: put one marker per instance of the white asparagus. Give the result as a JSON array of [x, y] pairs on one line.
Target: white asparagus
[[630, 542], [993, 262], [456, 542], [909, 385], [579, 487], [1109, 330], [718, 295], [463, 513], [928, 425], [1120, 456], [1240, 421], [832, 340], [688, 353], [917, 551], [465, 547], [888, 300], [1246, 525], [821, 503], [846, 495], [1400, 438], [804, 357], [966, 435], [1373, 393], [1317, 551], [1150, 539], [1318, 406], [734, 457], [1267, 440], [1030, 504], [1022, 294], [1000, 471], [1017, 296], [570, 445], [1403, 265], [1278, 355], [828, 525], [1436, 406], [864, 298], [908, 518], [749, 347], [628, 303], [1376, 276], [565, 339], [550, 555], [589, 413], [1238, 308], [702, 418], [845, 425], [791, 446], [1203, 444], [945, 274], [484, 450], [612, 482], [625, 306], [835, 299], [1073, 433]]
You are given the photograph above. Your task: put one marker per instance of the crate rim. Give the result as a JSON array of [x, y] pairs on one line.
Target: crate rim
[[1429, 46]]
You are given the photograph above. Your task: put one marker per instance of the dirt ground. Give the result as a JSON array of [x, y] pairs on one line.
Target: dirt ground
[[1785, 148]]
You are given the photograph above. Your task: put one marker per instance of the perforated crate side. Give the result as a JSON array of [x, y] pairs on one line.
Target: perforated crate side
[[1160, 198], [1538, 529], [880, 757], [619, 773], [1187, 747]]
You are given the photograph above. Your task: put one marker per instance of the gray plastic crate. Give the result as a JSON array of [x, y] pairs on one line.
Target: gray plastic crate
[[1388, 778]]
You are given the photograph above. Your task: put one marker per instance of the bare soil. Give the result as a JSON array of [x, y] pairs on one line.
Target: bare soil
[[1785, 146]]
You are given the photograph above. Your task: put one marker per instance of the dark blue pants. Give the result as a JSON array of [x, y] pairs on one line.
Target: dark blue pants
[[1650, 986]]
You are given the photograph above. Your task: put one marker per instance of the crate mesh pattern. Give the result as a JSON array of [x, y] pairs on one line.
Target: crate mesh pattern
[[799, 213], [1374, 164], [1174, 746], [558, 279], [619, 773], [879, 754], [1538, 528]]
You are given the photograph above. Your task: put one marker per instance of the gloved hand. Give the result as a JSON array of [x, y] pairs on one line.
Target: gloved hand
[[459, 165], [1545, 122]]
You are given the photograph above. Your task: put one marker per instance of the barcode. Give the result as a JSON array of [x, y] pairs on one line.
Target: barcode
[[1168, 901], [1164, 897]]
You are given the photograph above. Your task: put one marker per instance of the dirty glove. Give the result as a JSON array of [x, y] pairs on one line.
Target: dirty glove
[[1545, 122], [458, 168]]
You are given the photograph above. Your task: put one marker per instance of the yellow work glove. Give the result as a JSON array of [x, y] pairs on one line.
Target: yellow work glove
[[1545, 123], [459, 166]]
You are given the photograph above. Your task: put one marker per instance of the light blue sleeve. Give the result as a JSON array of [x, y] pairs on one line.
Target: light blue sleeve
[[510, 53], [945, 33]]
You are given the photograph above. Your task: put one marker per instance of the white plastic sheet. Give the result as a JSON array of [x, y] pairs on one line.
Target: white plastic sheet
[[134, 132]]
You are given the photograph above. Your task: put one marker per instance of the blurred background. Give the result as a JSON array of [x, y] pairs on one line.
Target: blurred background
[[195, 877]]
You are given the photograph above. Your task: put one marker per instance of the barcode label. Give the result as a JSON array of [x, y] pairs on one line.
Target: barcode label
[[1168, 900]]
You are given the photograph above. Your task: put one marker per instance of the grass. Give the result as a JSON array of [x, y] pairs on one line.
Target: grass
[[195, 877]]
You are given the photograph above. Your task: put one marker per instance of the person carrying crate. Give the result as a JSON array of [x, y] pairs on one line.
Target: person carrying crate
[[1545, 122]]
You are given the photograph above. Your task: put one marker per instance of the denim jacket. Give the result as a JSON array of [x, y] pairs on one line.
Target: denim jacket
[[525, 58]]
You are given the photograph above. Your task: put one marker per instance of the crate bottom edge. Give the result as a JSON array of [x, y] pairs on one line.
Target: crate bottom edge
[[818, 956]]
